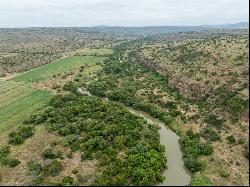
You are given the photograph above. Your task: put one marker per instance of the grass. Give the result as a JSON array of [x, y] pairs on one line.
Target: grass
[[18, 102], [94, 52], [46, 72]]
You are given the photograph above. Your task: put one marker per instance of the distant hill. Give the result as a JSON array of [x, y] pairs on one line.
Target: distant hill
[[150, 30], [240, 25], [143, 31]]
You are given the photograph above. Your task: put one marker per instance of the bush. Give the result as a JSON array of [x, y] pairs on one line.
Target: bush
[[53, 168], [67, 181], [75, 171], [205, 149], [49, 154], [209, 134], [34, 167], [224, 174], [213, 120], [13, 162], [194, 165], [193, 149], [5, 160], [38, 180], [199, 179], [70, 86], [81, 178], [246, 151], [4, 151], [19, 136], [230, 139], [236, 105]]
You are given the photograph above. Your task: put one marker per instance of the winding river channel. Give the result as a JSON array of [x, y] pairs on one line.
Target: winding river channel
[[176, 174]]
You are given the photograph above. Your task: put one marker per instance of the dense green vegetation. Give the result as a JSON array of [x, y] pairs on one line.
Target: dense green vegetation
[[121, 81], [126, 147], [110, 86], [193, 149], [21, 134]]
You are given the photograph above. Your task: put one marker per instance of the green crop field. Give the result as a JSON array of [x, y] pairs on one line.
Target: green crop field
[[17, 101], [46, 72]]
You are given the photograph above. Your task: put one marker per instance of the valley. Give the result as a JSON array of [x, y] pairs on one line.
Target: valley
[[176, 105]]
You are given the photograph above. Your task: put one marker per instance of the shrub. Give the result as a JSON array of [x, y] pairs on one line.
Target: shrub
[[194, 165], [75, 171], [38, 180], [48, 153], [209, 134], [70, 86], [53, 168], [230, 139], [13, 162], [224, 174], [15, 138], [199, 179], [5, 159], [81, 178], [236, 105], [22, 133], [213, 120], [67, 180], [193, 149], [205, 149], [4, 151], [246, 151], [34, 166]]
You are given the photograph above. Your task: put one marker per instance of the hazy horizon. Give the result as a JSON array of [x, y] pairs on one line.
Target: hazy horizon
[[128, 25], [130, 13]]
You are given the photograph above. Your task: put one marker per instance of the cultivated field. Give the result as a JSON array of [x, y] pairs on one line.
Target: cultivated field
[[17, 101], [57, 68]]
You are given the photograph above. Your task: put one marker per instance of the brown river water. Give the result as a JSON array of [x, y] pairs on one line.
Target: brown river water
[[176, 174]]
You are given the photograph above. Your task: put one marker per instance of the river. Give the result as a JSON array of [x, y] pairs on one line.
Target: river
[[176, 173]]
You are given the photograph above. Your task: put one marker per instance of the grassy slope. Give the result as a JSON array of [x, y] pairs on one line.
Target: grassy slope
[[57, 67], [94, 52]]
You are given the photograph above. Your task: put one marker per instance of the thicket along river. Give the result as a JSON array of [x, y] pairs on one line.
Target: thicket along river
[[176, 173]]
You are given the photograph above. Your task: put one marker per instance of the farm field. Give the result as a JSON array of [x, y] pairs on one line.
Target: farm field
[[17, 101], [58, 67], [19, 97]]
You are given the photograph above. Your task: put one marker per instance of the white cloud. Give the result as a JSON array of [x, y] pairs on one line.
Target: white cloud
[[16, 13]]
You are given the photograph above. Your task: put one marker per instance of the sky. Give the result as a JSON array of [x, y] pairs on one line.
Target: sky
[[79, 13]]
